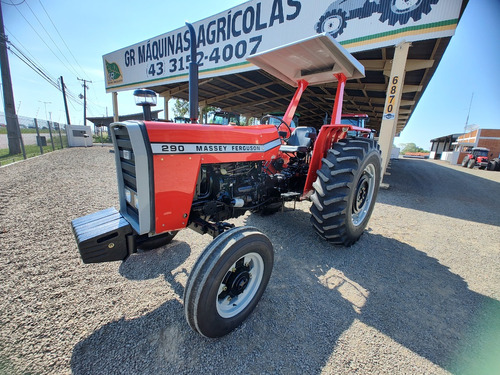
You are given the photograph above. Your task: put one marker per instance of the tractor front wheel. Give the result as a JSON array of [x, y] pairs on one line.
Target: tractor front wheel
[[345, 190], [227, 281]]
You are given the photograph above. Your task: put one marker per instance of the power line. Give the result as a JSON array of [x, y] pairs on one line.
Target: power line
[[60, 36], [3, 2], [50, 37], [36, 32], [85, 87], [19, 43], [37, 68]]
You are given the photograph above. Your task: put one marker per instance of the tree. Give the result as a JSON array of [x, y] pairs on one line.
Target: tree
[[181, 107], [411, 147]]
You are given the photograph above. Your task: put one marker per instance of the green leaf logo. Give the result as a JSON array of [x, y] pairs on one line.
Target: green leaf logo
[[114, 74]]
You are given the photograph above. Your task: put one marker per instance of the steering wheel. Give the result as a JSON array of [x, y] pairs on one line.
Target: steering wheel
[[267, 117]]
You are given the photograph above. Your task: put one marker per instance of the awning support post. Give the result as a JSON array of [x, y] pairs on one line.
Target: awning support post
[[115, 107], [392, 102]]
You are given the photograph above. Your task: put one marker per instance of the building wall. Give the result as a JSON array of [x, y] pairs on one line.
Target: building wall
[[489, 138]]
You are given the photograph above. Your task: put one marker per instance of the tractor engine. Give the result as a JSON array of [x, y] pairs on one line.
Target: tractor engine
[[228, 190]]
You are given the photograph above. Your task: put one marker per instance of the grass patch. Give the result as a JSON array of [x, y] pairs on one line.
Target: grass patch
[[33, 131], [32, 150]]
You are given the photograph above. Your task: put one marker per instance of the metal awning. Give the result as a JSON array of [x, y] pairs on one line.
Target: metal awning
[[316, 60]]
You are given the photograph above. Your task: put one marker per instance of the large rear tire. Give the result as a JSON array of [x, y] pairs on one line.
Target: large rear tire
[[345, 190], [227, 281]]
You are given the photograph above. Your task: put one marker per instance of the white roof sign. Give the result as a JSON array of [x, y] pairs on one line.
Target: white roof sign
[[225, 41]]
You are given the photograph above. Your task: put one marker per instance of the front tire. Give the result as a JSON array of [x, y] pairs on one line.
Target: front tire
[[227, 281], [471, 163], [346, 190]]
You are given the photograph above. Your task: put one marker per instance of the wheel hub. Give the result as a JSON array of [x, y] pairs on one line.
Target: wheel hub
[[239, 285], [361, 195], [238, 282]]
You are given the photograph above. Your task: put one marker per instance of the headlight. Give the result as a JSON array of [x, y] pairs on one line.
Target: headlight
[[128, 196], [136, 201], [132, 198]]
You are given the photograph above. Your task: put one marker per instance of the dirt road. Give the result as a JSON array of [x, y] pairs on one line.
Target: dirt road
[[419, 293]]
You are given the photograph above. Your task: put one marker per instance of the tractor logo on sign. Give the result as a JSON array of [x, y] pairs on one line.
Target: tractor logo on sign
[[114, 74], [334, 20]]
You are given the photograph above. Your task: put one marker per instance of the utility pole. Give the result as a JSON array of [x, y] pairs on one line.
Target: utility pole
[[85, 87], [45, 104], [63, 89], [13, 130]]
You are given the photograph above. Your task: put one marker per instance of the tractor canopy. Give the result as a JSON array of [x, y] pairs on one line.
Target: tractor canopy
[[316, 60]]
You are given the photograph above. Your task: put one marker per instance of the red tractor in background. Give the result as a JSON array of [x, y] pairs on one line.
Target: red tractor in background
[[175, 176], [477, 157]]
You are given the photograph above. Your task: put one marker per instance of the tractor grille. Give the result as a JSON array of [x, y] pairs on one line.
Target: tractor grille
[[128, 171]]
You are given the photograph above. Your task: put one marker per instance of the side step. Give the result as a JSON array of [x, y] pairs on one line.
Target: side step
[[103, 236]]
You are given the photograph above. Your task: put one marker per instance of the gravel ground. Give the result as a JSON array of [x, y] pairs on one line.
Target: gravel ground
[[419, 293]]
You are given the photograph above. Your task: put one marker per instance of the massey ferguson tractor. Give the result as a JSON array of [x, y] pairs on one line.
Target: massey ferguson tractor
[[478, 156], [174, 176]]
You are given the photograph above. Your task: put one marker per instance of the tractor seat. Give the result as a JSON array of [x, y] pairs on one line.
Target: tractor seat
[[300, 140]]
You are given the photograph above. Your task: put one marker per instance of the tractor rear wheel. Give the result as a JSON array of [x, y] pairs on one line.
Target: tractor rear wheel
[[345, 190], [227, 281]]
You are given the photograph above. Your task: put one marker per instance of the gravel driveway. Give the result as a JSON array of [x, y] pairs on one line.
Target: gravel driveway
[[419, 293]]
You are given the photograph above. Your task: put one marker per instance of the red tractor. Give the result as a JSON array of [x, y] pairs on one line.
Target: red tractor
[[477, 157], [175, 176]]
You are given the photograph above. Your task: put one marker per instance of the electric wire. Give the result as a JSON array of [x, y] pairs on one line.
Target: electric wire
[[3, 2], [62, 39], [69, 66], [44, 42], [36, 66], [20, 44], [38, 69]]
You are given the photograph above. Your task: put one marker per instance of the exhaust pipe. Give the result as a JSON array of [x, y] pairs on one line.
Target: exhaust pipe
[[193, 77]]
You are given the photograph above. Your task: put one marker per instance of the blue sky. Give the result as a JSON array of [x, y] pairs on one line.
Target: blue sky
[[93, 28]]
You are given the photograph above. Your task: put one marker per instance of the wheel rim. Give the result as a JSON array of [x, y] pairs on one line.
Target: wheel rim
[[240, 285], [404, 6], [363, 195], [332, 24]]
